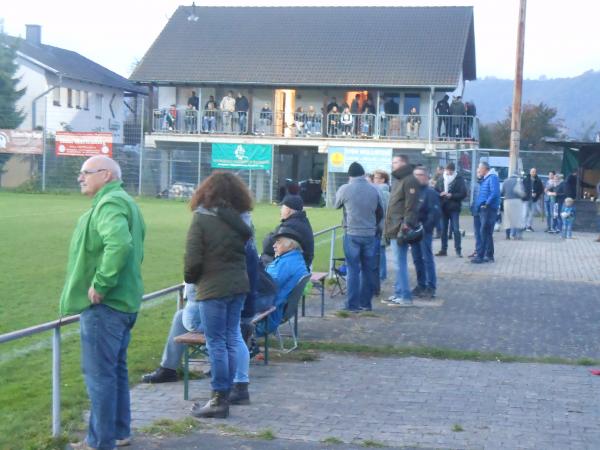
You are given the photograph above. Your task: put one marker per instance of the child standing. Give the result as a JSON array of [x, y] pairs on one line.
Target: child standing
[[568, 217]]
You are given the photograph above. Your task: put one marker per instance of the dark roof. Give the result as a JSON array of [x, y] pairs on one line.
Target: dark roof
[[74, 66], [322, 46]]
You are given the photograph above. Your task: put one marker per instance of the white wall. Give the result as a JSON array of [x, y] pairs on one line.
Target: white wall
[[167, 96], [33, 78]]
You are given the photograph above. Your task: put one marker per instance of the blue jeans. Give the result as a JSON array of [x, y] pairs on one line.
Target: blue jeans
[[382, 263], [377, 261], [402, 286], [487, 217], [422, 254], [221, 320], [567, 229], [477, 232], [452, 220], [208, 123], [549, 210], [243, 119], [360, 254], [105, 335]]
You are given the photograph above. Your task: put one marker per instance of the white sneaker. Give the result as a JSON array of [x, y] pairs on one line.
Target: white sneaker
[[390, 299], [401, 302], [124, 442]]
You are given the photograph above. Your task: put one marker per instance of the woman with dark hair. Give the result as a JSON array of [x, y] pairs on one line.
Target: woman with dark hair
[[215, 261]]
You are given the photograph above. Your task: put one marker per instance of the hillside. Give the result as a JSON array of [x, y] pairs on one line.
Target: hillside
[[577, 100]]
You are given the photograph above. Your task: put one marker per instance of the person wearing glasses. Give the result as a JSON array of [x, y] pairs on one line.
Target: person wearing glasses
[[104, 285]]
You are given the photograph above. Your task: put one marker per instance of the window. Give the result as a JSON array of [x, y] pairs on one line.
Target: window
[[56, 96], [85, 100], [412, 101], [69, 97], [78, 99], [98, 106]]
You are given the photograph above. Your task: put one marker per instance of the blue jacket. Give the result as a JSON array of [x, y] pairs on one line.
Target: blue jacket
[[489, 192], [430, 210], [286, 270], [252, 270]]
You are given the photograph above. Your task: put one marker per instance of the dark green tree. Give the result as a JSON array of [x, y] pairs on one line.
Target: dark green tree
[[10, 117]]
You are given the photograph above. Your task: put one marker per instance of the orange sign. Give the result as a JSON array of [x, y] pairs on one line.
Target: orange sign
[[29, 142], [83, 144]]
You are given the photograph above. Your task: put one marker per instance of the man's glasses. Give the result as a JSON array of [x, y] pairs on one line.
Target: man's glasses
[[85, 173]]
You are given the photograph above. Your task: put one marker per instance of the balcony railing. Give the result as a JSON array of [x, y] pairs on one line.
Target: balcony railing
[[311, 124]]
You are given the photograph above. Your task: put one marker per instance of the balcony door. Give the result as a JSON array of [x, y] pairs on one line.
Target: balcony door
[[285, 105]]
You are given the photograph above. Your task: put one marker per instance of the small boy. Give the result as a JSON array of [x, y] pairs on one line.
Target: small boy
[[568, 217]]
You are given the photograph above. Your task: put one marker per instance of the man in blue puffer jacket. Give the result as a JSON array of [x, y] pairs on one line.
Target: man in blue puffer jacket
[[487, 204]]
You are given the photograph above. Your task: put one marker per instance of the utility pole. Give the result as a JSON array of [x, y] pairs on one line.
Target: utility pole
[[515, 125]]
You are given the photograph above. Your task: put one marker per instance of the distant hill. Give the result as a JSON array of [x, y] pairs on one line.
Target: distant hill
[[577, 100]]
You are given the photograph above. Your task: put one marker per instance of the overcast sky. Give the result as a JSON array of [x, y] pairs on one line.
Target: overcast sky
[[559, 40]]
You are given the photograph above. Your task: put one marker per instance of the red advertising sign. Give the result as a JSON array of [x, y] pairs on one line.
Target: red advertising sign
[[83, 144], [29, 142]]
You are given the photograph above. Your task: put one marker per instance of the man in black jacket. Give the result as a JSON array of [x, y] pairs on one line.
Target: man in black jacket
[[292, 216], [534, 189], [241, 106], [453, 190], [422, 251], [442, 110]]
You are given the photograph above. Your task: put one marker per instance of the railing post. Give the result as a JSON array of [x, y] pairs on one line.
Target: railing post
[[56, 382], [332, 252]]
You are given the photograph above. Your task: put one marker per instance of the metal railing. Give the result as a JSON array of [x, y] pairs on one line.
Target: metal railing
[[312, 124], [56, 326]]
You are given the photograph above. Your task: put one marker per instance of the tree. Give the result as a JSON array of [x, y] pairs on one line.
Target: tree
[[10, 117], [537, 122]]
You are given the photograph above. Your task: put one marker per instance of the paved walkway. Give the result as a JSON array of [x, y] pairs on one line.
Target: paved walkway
[[541, 298]]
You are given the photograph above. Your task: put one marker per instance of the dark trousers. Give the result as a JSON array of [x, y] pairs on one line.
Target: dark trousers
[[451, 220], [487, 216]]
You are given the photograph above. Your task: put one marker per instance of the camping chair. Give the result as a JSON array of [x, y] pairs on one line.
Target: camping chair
[[291, 311], [340, 271]]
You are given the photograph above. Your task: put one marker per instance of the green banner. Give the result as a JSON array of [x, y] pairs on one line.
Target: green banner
[[242, 156]]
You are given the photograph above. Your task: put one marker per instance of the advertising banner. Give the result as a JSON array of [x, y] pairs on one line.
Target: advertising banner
[[83, 144], [371, 158], [28, 142], [242, 156]]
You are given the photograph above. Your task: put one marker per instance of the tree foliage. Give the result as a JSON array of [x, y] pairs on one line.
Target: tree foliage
[[10, 117], [537, 122]]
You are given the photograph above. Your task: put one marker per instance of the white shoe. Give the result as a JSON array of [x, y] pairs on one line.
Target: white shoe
[[124, 442], [401, 302]]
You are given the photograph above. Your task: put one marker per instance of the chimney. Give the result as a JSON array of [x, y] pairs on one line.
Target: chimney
[[33, 34]]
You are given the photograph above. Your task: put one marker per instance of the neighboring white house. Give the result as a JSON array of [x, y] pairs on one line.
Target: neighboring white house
[[73, 92]]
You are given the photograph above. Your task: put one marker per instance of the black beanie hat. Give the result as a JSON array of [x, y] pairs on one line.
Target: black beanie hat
[[356, 170], [293, 202]]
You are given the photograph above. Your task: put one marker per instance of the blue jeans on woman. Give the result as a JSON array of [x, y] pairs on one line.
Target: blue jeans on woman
[[105, 335], [221, 321], [402, 286]]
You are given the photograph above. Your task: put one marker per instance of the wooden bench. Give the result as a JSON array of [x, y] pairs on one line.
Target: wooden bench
[[195, 346], [318, 281]]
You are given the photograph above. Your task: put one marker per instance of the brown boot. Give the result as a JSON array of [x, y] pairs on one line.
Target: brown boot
[[239, 394], [217, 406]]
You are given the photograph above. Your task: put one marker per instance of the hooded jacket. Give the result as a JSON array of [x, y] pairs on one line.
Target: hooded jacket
[[404, 201], [215, 253]]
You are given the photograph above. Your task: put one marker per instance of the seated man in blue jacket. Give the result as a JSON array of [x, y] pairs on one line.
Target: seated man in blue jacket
[[286, 270], [487, 205], [422, 251]]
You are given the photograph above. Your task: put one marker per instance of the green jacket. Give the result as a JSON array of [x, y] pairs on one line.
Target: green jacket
[[215, 253], [106, 252], [404, 202]]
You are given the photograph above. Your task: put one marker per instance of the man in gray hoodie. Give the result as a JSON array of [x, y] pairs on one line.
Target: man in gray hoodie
[[362, 213]]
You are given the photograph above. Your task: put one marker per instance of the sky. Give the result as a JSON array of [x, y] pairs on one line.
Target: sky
[[115, 34]]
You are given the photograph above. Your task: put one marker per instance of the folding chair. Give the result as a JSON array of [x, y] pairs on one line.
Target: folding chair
[[339, 277], [291, 311]]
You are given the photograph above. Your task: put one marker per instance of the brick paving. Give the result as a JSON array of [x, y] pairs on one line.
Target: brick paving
[[539, 299]]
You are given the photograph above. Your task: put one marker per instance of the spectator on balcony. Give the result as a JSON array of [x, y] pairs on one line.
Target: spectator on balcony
[[413, 123], [265, 119], [471, 113], [209, 121], [191, 119], [211, 100], [228, 109], [313, 121], [171, 118], [366, 120], [457, 113], [241, 106], [442, 110], [332, 104], [355, 106], [300, 121], [194, 101], [333, 122], [347, 122], [343, 105]]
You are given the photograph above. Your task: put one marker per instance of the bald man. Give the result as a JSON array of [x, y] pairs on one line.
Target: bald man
[[104, 285]]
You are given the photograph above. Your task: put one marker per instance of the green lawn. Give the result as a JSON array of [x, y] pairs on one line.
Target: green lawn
[[35, 231]]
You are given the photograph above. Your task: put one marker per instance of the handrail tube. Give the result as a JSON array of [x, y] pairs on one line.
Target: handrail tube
[[326, 230]]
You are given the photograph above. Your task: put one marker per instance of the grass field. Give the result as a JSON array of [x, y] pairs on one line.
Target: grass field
[[35, 231]]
